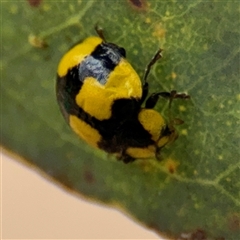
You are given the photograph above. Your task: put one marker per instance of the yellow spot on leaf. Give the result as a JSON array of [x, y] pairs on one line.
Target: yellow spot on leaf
[[205, 47], [196, 205], [72, 7], [135, 52], [173, 75], [184, 132], [14, 9], [159, 31], [46, 7], [196, 152], [221, 105], [171, 165], [182, 108], [148, 20], [36, 41], [228, 123]]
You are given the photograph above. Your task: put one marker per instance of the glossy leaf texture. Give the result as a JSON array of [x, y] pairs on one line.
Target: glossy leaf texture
[[193, 192]]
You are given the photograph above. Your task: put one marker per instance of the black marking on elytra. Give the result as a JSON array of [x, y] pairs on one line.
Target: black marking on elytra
[[67, 88], [99, 64], [120, 131]]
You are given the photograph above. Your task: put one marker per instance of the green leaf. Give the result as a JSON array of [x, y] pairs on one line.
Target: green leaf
[[193, 193]]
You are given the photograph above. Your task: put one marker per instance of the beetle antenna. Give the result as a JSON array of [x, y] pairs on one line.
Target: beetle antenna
[[157, 56], [99, 31]]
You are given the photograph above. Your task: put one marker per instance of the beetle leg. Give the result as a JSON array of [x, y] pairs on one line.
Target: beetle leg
[[125, 158], [153, 98]]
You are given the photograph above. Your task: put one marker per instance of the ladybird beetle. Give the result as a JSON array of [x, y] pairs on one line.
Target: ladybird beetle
[[100, 95]]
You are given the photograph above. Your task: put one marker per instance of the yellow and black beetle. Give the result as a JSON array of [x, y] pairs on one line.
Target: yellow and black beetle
[[100, 95]]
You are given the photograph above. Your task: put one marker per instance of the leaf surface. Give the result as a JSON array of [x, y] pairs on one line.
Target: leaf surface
[[193, 193]]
